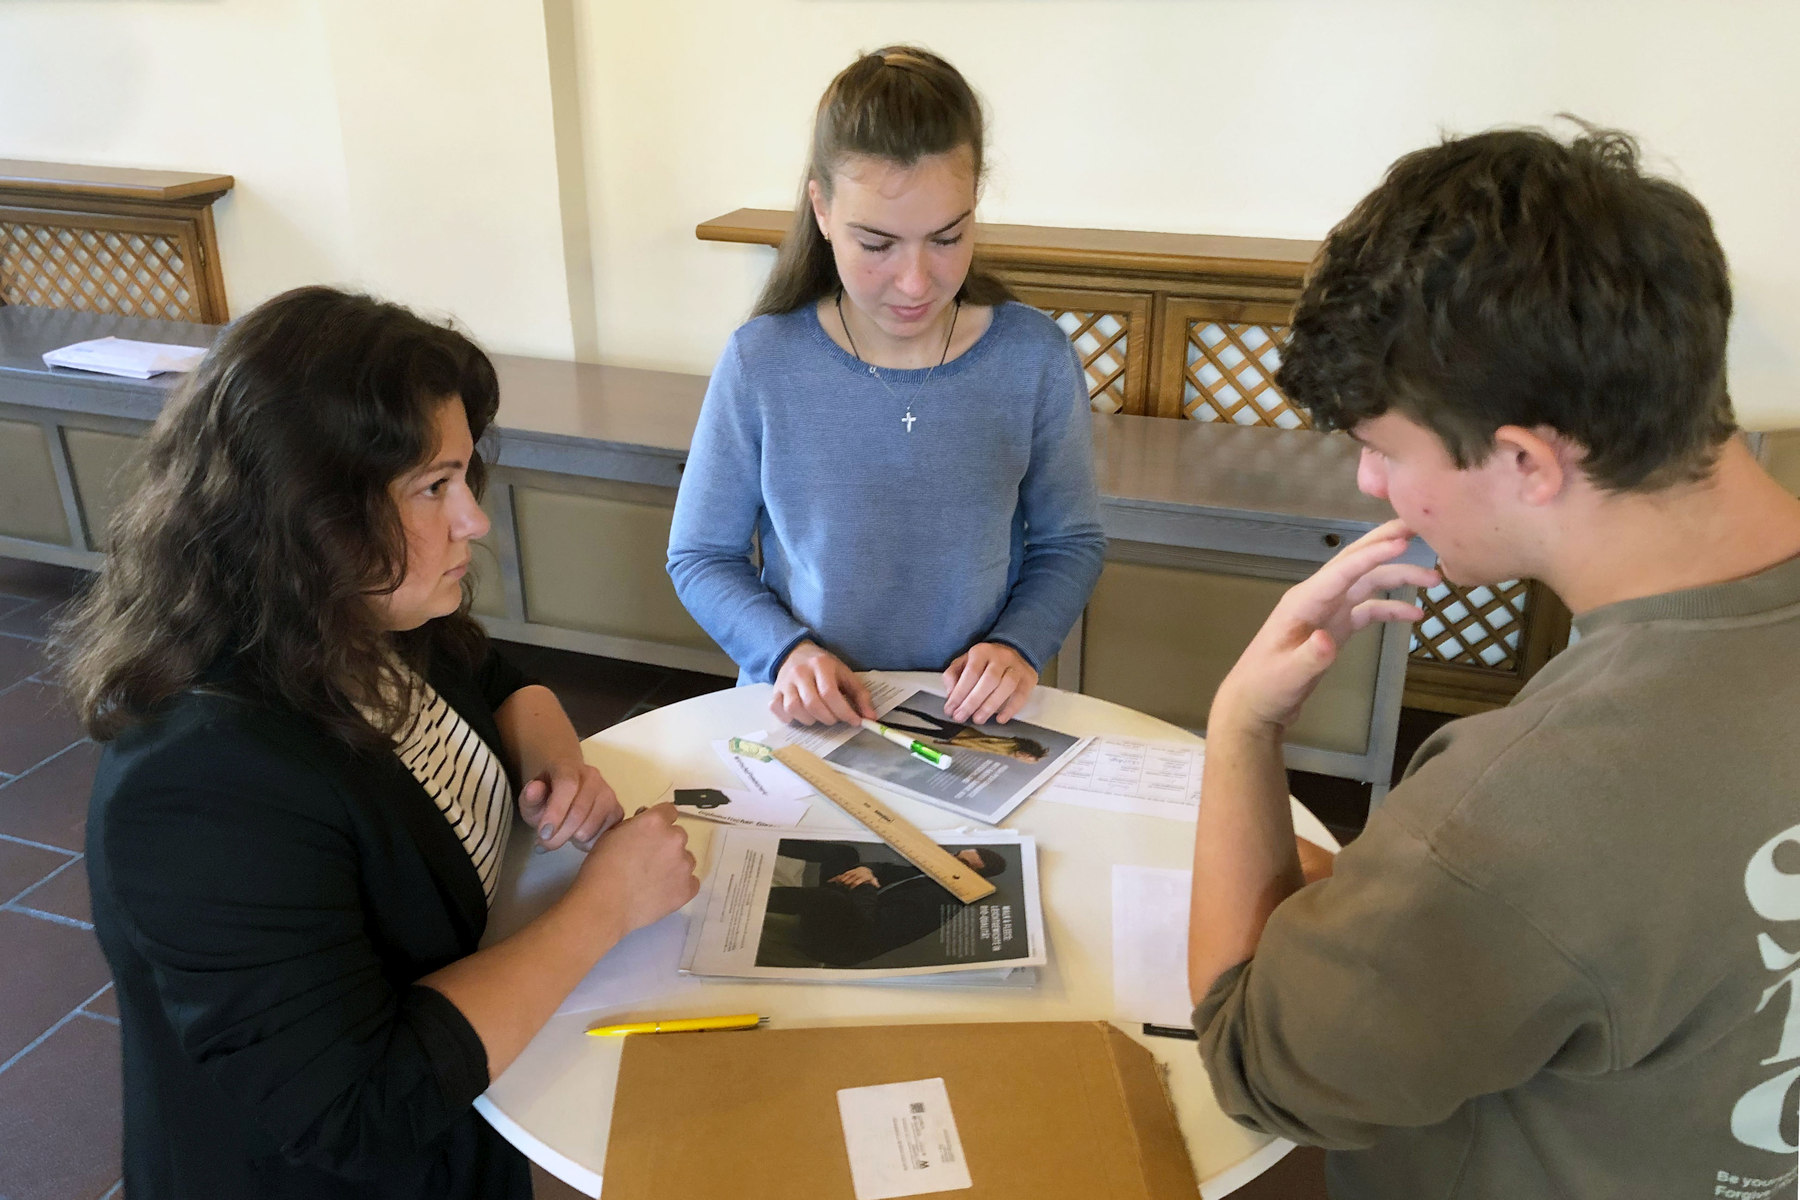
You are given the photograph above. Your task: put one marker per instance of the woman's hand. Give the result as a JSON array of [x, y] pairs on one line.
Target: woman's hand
[[640, 871], [1310, 624], [814, 686], [989, 682], [569, 801]]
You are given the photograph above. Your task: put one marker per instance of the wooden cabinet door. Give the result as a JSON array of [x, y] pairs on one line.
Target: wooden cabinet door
[[1111, 333], [1216, 361]]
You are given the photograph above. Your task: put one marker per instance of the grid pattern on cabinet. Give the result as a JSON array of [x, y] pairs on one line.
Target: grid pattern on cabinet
[[95, 269], [1475, 627], [1110, 331], [1101, 340], [1229, 374]]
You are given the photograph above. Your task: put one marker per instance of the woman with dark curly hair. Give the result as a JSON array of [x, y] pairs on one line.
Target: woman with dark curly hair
[[310, 769]]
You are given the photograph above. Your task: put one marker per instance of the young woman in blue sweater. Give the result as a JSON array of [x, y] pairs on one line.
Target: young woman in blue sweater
[[907, 446]]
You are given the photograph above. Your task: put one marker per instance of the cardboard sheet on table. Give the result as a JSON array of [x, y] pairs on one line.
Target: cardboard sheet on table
[[1045, 1111]]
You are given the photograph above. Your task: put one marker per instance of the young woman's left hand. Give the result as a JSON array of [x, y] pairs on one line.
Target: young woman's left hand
[[990, 682], [569, 801]]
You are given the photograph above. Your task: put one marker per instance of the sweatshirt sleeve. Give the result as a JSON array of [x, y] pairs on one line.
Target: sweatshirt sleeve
[[243, 895], [716, 514], [1064, 544], [1387, 996]]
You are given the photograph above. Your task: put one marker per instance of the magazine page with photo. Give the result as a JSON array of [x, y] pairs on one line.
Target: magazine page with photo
[[993, 767], [806, 904]]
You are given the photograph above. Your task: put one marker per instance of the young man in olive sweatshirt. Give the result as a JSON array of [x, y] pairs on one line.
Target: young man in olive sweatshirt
[[1563, 959]]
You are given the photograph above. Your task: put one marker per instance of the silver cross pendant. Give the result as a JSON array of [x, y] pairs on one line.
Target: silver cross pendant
[[909, 419]]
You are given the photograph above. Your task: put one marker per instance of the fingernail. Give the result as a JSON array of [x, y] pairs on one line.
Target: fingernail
[[545, 830]]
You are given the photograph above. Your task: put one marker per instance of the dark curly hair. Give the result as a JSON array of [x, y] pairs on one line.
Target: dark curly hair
[[1510, 279], [264, 524]]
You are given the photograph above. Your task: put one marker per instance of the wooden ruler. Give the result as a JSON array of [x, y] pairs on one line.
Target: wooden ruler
[[956, 876]]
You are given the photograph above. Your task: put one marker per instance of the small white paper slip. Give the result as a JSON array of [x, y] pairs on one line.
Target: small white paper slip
[[738, 806], [902, 1140], [126, 358], [1150, 928], [768, 779]]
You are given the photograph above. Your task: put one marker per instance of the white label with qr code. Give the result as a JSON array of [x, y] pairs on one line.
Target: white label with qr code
[[902, 1140]]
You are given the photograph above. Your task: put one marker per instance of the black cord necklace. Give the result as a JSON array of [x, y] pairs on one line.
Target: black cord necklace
[[908, 419]]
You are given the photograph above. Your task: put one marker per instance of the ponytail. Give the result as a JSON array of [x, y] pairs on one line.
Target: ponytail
[[901, 104]]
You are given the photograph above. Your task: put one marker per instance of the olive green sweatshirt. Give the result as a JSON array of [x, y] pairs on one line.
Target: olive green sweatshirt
[[1563, 959]]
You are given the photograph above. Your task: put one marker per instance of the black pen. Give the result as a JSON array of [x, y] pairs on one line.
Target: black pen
[[1172, 1031]]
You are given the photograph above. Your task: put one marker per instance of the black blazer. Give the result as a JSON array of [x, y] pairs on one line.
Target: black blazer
[[267, 901]]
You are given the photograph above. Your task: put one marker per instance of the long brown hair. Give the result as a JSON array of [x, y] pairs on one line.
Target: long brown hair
[[900, 103], [247, 558]]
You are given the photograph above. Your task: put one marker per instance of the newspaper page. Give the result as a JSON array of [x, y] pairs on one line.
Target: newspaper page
[[842, 905], [993, 767]]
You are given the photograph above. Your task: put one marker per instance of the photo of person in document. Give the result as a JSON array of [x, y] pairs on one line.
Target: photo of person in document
[[992, 767], [861, 905], [958, 735]]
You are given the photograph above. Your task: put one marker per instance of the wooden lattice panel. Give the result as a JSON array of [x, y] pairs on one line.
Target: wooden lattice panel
[[97, 270], [1102, 340], [1229, 375], [1473, 627], [1110, 332]]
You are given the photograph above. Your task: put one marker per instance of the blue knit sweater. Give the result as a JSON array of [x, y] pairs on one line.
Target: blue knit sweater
[[895, 550]]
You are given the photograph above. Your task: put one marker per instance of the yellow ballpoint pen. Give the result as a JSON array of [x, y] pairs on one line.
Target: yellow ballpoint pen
[[680, 1025]]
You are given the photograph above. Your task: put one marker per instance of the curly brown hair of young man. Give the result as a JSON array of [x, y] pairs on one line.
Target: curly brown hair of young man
[[246, 560], [1508, 278]]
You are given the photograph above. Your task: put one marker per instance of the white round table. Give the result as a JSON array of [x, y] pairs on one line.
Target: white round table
[[555, 1101]]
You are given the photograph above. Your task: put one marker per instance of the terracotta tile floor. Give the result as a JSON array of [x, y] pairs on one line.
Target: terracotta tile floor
[[59, 1035]]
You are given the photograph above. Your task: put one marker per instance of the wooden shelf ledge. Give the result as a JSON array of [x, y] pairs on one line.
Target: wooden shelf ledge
[[1098, 251], [20, 178]]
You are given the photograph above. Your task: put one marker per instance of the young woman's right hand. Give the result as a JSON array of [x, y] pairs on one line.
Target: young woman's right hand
[[641, 870], [814, 686]]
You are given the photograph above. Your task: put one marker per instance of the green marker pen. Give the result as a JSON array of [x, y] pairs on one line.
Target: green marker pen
[[936, 758]]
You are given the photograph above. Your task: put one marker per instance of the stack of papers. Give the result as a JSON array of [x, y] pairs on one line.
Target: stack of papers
[[122, 357], [993, 767], [842, 905]]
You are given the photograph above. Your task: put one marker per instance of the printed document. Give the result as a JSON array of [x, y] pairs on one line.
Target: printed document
[[993, 768], [843, 905], [1120, 774], [1150, 932]]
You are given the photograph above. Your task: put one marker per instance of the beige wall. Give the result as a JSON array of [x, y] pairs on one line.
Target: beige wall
[[544, 186], [403, 145], [1230, 116]]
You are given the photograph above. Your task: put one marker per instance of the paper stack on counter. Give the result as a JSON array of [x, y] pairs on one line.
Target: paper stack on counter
[[126, 358]]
